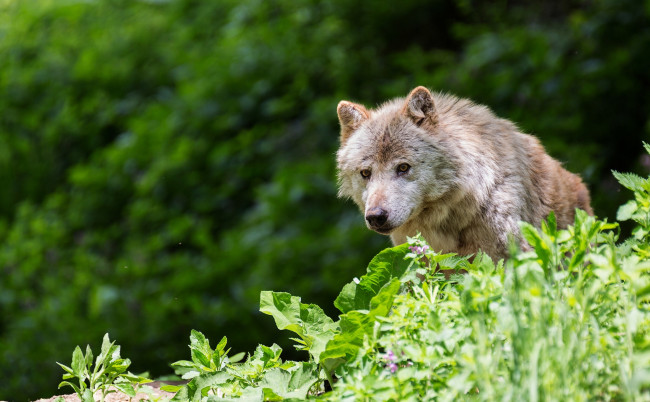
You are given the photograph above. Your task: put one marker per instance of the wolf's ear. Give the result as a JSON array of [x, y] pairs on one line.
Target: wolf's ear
[[351, 116], [419, 106]]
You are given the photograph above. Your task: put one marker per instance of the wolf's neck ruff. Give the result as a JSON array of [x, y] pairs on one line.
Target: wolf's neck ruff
[[452, 170]]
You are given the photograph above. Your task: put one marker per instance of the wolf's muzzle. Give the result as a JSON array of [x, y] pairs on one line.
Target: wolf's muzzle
[[377, 218]]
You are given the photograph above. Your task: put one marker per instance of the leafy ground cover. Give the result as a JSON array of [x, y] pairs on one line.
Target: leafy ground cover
[[567, 320]]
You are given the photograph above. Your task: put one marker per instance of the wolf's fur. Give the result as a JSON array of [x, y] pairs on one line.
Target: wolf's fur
[[471, 176]]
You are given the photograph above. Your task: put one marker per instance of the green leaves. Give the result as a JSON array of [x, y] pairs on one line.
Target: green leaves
[[384, 267], [109, 370], [308, 321], [262, 376], [296, 383], [204, 358]]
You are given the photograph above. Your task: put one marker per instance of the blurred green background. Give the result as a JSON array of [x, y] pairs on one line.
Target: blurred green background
[[162, 162]]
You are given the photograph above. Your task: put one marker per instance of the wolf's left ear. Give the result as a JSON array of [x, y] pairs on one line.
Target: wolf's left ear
[[351, 116], [419, 106]]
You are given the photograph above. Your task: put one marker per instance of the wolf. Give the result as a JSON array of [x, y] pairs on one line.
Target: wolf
[[452, 170]]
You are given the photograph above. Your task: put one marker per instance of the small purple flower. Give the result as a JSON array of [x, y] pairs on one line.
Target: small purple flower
[[391, 356], [392, 367], [419, 249]]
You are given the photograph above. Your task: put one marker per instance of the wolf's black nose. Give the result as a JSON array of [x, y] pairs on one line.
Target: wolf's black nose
[[376, 217]]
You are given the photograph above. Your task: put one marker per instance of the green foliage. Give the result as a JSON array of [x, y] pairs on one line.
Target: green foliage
[[499, 331], [308, 321], [204, 358], [637, 209], [163, 162], [109, 371], [263, 376]]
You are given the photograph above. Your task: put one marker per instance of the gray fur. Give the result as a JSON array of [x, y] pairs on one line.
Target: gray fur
[[472, 177]]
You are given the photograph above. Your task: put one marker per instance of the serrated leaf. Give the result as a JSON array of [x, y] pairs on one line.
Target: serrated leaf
[[291, 384], [630, 180], [284, 308], [203, 382]]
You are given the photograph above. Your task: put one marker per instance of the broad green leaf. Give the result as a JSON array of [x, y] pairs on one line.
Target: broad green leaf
[[291, 384], [203, 382], [309, 321], [355, 325], [386, 265], [626, 211], [318, 329], [199, 342], [87, 396], [199, 358], [126, 388], [78, 362], [380, 305], [119, 365], [106, 344], [89, 357], [345, 345], [284, 308]]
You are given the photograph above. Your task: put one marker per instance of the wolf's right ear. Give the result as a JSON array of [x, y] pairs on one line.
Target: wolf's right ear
[[351, 116], [419, 106]]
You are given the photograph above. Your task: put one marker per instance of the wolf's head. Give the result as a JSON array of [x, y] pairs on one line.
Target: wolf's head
[[394, 160]]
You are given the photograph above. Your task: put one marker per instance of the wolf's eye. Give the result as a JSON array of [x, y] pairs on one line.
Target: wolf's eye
[[403, 168], [365, 173]]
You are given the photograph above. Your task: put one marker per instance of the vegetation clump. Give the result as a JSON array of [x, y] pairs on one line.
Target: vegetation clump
[[568, 319]]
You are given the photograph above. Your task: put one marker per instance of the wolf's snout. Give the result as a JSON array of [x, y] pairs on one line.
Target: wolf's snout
[[376, 217]]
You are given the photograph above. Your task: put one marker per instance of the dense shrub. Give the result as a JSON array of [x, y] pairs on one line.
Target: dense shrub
[[164, 161]]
